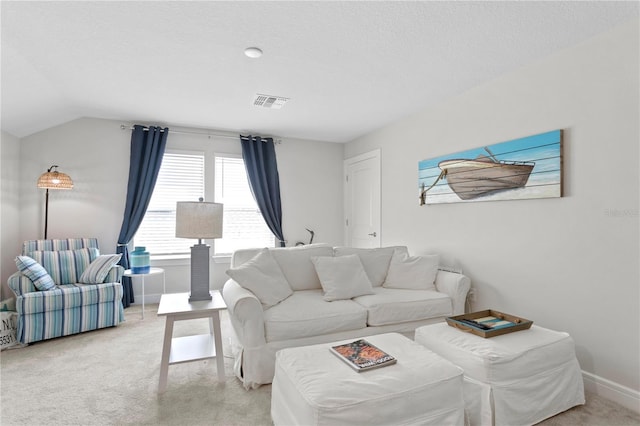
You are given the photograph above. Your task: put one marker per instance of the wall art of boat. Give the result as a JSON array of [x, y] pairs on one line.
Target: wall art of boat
[[529, 167], [483, 175]]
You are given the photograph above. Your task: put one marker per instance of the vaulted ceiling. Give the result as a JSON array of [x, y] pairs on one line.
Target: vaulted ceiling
[[348, 67]]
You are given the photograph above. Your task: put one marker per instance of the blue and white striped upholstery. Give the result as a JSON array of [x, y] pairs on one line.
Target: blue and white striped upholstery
[[35, 272], [65, 266], [71, 307], [99, 268], [21, 284], [56, 245]]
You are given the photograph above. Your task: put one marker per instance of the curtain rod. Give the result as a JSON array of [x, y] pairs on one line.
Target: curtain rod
[[208, 134]]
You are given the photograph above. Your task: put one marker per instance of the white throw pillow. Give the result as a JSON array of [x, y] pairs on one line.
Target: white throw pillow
[[342, 277], [412, 272], [263, 277], [99, 268], [375, 261], [296, 264]]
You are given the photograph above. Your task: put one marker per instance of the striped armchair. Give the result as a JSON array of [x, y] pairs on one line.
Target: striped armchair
[[70, 307]]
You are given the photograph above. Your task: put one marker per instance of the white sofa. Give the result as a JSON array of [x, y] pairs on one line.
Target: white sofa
[[276, 315]]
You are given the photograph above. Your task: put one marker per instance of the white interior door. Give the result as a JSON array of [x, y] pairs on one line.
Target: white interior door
[[362, 200]]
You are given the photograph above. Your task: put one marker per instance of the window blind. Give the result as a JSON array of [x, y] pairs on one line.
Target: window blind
[[181, 178]]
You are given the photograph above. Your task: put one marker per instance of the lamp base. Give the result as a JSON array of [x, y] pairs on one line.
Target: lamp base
[[199, 273], [199, 298]]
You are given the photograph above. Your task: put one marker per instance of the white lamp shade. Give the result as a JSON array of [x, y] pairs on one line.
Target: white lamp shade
[[198, 220]]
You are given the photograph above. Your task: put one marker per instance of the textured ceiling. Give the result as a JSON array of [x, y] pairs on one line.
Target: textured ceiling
[[349, 67]]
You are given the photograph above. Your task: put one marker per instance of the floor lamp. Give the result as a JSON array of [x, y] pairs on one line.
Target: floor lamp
[[52, 179], [199, 220]]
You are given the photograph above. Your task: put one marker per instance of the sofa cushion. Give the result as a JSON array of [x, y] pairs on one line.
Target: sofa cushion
[[262, 276], [99, 268], [297, 267], [392, 306], [412, 272], [65, 266], [374, 260], [342, 277], [67, 296], [35, 272], [305, 313]]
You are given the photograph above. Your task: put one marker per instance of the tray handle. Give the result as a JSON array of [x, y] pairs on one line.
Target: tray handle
[[461, 327]]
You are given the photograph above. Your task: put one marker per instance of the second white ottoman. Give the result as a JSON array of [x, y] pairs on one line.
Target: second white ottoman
[[312, 386], [515, 379]]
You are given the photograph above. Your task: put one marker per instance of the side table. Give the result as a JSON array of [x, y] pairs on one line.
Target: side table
[[152, 271], [176, 307]]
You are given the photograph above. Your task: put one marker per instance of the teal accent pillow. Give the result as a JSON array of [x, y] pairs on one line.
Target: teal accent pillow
[[97, 271], [35, 272]]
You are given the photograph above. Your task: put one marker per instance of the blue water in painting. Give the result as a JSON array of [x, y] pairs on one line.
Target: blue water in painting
[[545, 179]]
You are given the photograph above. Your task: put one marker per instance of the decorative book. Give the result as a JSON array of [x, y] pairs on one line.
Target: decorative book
[[362, 355]]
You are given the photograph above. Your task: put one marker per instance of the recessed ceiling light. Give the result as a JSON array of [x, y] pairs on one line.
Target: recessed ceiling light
[[253, 52]]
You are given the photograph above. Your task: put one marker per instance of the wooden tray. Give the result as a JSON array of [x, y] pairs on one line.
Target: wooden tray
[[517, 323]]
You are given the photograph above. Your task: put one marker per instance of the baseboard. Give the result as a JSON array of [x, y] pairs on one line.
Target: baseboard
[[627, 397]]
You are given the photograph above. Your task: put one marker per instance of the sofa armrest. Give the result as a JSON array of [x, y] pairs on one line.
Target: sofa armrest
[[21, 284], [115, 274], [455, 286], [246, 314]]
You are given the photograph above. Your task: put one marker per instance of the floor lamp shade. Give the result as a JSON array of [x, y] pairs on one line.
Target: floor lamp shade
[[199, 220], [52, 179]]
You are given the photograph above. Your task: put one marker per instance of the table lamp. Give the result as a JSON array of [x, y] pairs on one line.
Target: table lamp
[[198, 219], [52, 179]]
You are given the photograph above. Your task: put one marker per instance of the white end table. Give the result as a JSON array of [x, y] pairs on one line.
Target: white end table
[[176, 307], [152, 271]]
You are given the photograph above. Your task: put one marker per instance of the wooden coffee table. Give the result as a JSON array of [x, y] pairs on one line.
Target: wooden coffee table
[[176, 307]]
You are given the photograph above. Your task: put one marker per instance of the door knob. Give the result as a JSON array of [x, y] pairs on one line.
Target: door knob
[[373, 234]]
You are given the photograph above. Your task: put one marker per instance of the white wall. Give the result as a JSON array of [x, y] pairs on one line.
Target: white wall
[[9, 209], [568, 263], [311, 187], [95, 153]]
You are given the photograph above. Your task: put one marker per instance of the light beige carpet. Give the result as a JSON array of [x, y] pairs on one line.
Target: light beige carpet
[[110, 377]]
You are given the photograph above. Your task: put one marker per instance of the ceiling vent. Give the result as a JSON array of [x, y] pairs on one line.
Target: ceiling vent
[[269, 101]]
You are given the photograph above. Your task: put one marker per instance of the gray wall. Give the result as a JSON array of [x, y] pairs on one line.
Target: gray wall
[[9, 209], [567, 263]]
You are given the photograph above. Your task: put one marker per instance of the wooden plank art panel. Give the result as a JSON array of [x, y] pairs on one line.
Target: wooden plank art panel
[[525, 168]]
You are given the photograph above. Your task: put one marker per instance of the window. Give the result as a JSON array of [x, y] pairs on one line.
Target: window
[[243, 224], [182, 178]]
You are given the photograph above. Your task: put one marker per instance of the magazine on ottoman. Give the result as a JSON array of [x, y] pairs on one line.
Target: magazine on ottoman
[[362, 355]]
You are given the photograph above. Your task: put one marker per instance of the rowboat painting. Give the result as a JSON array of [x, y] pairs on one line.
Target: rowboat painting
[[524, 168]]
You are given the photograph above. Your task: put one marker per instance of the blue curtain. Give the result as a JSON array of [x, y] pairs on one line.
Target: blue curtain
[[147, 149], [259, 155]]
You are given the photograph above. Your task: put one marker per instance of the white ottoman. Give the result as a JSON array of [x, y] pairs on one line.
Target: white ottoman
[[312, 386], [514, 379]]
